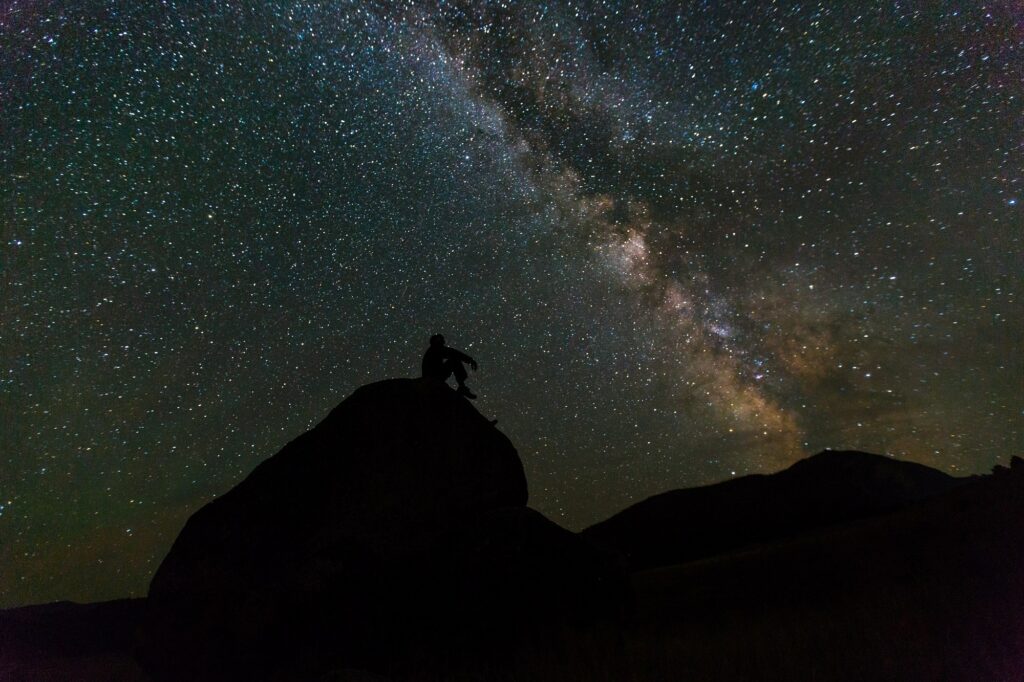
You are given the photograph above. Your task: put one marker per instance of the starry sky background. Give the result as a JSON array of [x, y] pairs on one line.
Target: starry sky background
[[686, 241]]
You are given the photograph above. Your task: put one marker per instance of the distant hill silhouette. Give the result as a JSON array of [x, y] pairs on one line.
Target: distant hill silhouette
[[69, 641], [401, 515], [932, 591], [829, 488]]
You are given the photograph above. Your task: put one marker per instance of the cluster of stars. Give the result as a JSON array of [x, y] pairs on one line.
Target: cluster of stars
[[686, 241]]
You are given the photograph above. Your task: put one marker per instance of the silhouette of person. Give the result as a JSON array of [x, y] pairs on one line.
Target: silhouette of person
[[440, 362]]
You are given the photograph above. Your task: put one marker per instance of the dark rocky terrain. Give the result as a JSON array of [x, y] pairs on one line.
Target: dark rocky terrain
[[398, 522], [829, 488], [932, 591], [68, 641], [393, 542]]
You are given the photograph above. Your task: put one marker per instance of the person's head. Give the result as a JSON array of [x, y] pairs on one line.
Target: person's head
[[436, 340]]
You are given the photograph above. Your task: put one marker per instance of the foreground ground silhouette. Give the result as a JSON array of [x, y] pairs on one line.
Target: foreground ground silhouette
[[394, 539]]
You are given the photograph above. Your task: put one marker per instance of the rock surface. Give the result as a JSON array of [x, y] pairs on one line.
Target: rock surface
[[402, 513]]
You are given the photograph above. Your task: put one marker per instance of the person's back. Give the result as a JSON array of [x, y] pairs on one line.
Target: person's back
[[433, 363]]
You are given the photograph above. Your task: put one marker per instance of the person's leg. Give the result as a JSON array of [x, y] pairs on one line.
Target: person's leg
[[459, 371], [460, 376], [446, 370]]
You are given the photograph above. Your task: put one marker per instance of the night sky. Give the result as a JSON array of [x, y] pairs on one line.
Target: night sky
[[686, 241]]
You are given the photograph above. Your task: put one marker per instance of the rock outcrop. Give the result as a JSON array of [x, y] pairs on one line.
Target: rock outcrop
[[399, 518]]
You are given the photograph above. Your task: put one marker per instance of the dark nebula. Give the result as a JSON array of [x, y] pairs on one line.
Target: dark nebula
[[685, 241]]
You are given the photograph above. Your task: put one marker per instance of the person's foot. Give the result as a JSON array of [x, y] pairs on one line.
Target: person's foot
[[463, 391]]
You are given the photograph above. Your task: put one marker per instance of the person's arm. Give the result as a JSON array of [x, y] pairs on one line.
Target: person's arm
[[459, 355]]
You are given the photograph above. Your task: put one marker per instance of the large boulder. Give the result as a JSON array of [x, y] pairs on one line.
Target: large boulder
[[395, 529], [310, 544]]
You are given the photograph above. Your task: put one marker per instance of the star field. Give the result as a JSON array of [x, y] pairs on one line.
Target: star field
[[685, 241]]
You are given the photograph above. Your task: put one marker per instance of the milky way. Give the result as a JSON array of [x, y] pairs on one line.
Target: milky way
[[686, 241]]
